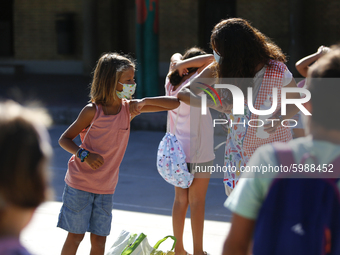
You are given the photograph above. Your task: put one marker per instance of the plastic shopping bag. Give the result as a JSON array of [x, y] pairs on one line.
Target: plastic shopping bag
[[137, 244]]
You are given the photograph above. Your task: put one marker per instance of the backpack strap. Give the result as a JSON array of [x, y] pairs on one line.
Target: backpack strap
[[284, 154], [176, 120], [336, 168], [336, 163], [285, 157], [169, 116], [308, 156]]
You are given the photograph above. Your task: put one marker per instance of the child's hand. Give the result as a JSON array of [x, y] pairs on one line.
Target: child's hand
[[135, 106], [323, 50], [271, 127], [177, 65], [94, 160], [226, 106]]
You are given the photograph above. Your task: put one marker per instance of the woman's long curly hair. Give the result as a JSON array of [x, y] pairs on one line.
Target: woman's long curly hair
[[242, 48], [174, 76]]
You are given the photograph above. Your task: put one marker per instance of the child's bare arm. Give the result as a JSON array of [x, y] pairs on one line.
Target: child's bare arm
[[83, 121], [189, 94], [303, 64], [173, 60], [239, 238], [166, 102], [200, 62], [153, 104]]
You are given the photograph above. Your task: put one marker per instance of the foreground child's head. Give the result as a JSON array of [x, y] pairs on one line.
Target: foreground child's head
[[112, 72], [24, 153], [323, 83]]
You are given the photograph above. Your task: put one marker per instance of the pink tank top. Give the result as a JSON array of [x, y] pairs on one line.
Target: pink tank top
[[108, 136]]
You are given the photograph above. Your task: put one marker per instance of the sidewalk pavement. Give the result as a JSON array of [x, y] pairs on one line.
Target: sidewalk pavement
[[42, 237]]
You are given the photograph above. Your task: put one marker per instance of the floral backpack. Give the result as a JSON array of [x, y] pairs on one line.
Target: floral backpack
[[171, 163]]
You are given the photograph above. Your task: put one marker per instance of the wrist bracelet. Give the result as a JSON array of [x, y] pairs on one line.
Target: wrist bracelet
[[78, 152], [83, 155]]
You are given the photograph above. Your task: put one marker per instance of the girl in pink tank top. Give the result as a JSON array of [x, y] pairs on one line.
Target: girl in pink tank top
[[104, 129]]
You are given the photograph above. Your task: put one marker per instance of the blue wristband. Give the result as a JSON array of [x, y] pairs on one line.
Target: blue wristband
[[83, 154], [78, 152]]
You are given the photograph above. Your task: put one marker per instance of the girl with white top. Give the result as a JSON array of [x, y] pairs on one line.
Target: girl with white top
[[195, 134]]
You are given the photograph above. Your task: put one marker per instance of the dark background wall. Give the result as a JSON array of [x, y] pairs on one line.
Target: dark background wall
[[29, 30]]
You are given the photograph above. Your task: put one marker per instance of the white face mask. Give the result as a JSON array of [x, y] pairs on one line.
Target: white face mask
[[127, 92], [217, 57]]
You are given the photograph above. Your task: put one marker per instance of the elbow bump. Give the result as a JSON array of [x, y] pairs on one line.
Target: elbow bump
[[181, 93]]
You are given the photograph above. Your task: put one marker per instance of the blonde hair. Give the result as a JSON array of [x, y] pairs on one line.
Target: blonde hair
[[108, 71], [24, 154]]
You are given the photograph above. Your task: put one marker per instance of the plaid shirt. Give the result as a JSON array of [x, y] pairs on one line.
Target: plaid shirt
[[242, 141], [272, 79]]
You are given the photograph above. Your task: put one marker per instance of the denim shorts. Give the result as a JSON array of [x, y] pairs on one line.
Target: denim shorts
[[86, 212]]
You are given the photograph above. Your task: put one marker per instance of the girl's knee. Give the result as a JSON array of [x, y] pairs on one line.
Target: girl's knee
[[181, 201], [75, 238], [98, 241], [196, 201]]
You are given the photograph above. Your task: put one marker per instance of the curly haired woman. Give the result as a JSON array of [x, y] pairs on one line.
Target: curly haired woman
[[247, 58]]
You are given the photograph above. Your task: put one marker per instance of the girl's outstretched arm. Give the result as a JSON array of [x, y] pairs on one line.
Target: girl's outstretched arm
[[153, 104], [83, 121]]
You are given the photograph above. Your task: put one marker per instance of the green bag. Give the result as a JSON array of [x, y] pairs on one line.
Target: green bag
[[159, 252], [137, 244]]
